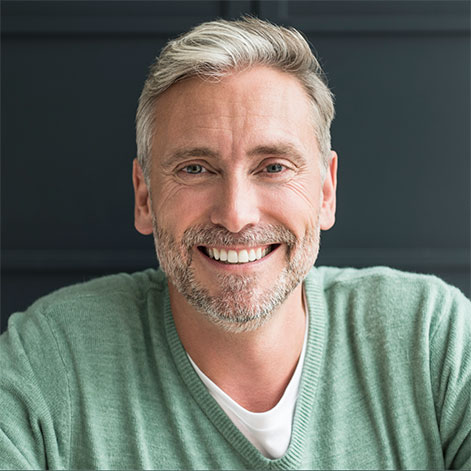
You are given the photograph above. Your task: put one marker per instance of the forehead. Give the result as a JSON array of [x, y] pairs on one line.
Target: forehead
[[252, 108]]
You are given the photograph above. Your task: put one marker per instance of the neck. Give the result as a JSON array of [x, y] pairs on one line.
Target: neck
[[254, 367]]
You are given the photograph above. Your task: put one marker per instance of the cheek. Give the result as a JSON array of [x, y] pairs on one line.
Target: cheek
[[305, 193], [296, 204], [177, 207]]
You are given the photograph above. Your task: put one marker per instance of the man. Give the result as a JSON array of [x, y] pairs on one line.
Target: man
[[237, 353]]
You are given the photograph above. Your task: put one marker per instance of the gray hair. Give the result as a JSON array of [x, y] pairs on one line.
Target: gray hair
[[216, 48]]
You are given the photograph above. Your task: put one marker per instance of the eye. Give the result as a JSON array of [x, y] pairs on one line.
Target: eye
[[274, 168], [193, 169]]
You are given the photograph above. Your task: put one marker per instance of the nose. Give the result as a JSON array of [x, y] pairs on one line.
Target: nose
[[235, 205]]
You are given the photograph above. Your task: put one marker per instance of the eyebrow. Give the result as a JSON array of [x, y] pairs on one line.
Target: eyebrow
[[183, 154], [280, 149]]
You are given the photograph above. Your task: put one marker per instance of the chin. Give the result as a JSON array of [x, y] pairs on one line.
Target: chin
[[240, 303]]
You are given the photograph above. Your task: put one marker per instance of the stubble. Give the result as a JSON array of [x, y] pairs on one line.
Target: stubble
[[241, 303]]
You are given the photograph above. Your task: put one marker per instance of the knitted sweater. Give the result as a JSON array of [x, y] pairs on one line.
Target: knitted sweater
[[95, 376]]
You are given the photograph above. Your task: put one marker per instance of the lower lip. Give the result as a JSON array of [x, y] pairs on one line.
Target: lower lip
[[237, 266]]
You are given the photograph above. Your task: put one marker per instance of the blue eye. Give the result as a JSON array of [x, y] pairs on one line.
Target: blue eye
[[193, 169], [274, 168]]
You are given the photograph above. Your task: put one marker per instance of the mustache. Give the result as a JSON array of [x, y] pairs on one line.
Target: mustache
[[216, 235]]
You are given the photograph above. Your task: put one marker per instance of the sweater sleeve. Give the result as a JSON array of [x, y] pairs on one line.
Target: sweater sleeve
[[34, 417], [451, 377]]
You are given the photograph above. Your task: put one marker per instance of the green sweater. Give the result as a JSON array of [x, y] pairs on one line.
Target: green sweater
[[95, 376]]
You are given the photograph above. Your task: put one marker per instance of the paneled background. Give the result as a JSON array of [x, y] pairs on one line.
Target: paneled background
[[72, 72]]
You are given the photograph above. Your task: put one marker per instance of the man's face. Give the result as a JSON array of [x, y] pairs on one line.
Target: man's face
[[236, 196]]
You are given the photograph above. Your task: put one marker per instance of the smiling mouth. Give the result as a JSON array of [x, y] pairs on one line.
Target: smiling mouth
[[233, 256]]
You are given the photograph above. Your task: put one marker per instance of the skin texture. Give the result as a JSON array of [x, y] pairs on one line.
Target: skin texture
[[239, 155]]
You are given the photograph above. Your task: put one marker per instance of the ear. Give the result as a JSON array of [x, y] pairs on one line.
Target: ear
[[142, 206], [329, 186]]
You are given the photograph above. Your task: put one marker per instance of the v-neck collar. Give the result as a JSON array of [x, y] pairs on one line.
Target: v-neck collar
[[308, 387]]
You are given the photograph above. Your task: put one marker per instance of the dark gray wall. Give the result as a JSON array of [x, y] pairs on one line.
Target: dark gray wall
[[71, 76]]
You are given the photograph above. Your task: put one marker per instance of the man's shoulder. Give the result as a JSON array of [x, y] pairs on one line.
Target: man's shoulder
[[381, 279], [385, 293], [105, 290], [96, 300]]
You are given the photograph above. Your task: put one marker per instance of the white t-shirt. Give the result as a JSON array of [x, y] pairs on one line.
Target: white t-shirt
[[269, 431]]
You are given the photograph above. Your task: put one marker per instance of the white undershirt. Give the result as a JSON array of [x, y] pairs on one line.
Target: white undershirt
[[270, 431]]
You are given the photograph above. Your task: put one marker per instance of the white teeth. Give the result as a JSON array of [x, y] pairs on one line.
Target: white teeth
[[243, 256], [238, 256], [232, 256]]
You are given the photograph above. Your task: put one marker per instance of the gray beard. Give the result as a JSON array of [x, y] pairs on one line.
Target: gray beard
[[240, 304]]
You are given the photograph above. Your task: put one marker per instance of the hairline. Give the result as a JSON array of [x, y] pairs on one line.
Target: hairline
[[215, 49]]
